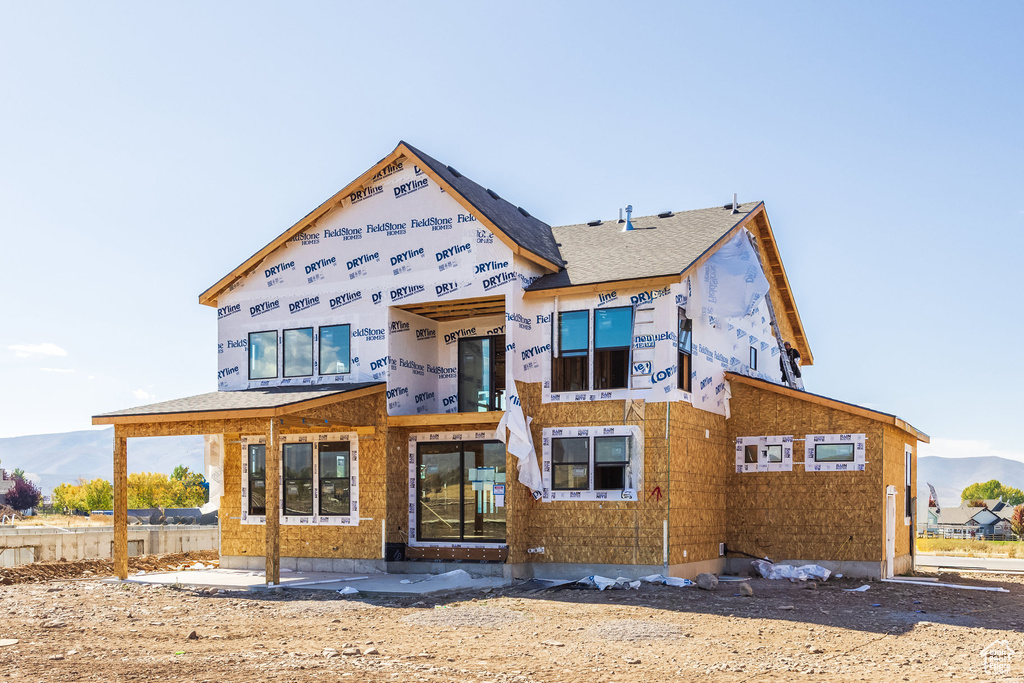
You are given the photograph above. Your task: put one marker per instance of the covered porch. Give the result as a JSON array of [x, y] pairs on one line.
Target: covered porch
[[272, 415]]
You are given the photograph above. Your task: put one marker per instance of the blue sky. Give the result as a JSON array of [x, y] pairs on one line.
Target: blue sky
[[146, 150]]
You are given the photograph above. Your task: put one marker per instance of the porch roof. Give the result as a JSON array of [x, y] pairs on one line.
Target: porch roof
[[260, 402]]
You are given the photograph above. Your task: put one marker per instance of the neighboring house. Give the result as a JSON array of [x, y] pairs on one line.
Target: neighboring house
[[6, 484], [990, 518], [420, 369]]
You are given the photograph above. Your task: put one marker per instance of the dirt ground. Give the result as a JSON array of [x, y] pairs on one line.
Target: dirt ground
[[84, 630]]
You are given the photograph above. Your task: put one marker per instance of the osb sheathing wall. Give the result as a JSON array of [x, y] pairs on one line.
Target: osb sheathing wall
[[893, 473], [700, 483], [355, 542], [800, 515], [625, 532]]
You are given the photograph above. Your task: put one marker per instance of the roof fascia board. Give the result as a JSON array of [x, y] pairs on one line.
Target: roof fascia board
[[884, 418], [238, 413], [470, 207], [807, 357], [209, 297], [590, 288]]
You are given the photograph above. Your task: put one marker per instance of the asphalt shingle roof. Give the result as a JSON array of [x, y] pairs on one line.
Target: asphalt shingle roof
[[528, 232], [246, 399], [658, 246]]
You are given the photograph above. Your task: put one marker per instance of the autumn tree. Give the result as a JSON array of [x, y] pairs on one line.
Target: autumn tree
[[70, 498], [24, 495], [991, 490], [1017, 521]]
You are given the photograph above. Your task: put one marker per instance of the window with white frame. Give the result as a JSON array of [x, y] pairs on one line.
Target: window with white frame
[[764, 453], [592, 463], [834, 452], [319, 482]]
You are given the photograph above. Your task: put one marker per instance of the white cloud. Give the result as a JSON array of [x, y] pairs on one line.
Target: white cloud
[[143, 395], [56, 370], [31, 350], [966, 448]]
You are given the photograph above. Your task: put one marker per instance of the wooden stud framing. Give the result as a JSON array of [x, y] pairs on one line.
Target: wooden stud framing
[[457, 310], [273, 505], [120, 504]]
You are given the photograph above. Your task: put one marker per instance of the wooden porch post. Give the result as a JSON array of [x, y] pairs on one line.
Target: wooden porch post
[[273, 505], [120, 504]]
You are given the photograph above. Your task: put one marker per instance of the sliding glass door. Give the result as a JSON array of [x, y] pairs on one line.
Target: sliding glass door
[[455, 491]]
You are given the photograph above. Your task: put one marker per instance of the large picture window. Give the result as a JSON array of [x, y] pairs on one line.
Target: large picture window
[[334, 478], [298, 352], [263, 355], [685, 345], [297, 473], [613, 335], [570, 370], [335, 351], [257, 474]]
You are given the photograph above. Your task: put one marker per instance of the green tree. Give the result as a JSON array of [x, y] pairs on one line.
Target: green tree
[[18, 473], [993, 489]]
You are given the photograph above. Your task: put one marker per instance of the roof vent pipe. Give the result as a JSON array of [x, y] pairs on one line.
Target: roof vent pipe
[[735, 206], [620, 215], [629, 224]]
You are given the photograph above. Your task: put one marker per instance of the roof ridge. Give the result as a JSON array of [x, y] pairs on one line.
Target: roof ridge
[[753, 205]]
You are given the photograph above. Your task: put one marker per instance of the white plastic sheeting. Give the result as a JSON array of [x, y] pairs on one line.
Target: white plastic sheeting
[[788, 571]]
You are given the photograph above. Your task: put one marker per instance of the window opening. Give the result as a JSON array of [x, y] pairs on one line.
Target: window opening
[[297, 470], [482, 374], [263, 355], [334, 478], [335, 350], [684, 339], [613, 335], [298, 352], [570, 464], [257, 479], [570, 369]]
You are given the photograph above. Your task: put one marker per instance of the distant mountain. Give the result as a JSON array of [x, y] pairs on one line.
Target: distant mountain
[[950, 476], [60, 458]]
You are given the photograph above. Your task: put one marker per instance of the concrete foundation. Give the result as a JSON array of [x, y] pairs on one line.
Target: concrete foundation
[[327, 565], [855, 570], [45, 544]]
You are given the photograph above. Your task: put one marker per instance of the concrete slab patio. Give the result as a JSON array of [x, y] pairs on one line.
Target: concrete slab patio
[[366, 584]]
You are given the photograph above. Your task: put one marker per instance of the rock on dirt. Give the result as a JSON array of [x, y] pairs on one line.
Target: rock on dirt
[[746, 591], [708, 582]]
